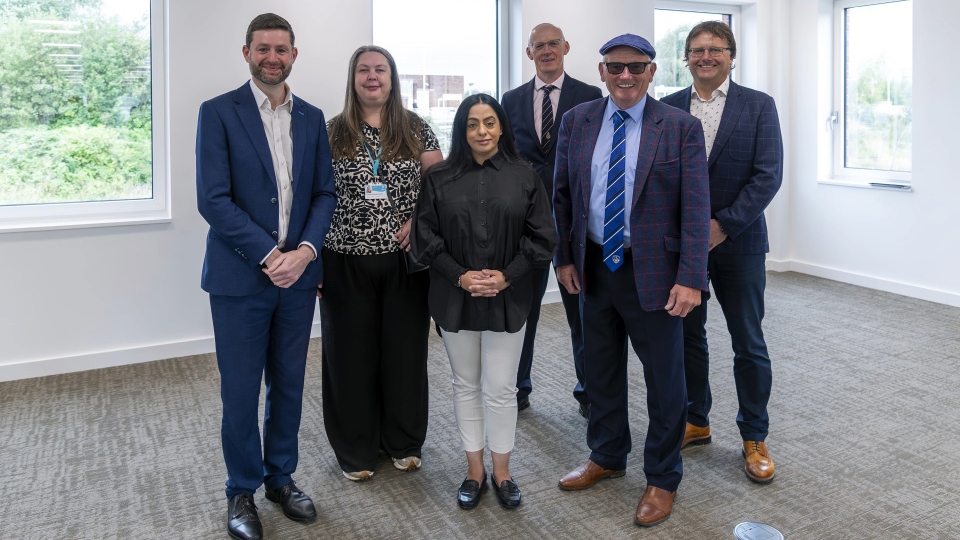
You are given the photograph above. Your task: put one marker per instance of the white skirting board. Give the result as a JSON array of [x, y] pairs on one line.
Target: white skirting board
[[105, 359]]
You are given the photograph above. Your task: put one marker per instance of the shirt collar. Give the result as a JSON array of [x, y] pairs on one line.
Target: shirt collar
[[260, 97], [721, 91], [496, 161], [635, 112], [538, 84]]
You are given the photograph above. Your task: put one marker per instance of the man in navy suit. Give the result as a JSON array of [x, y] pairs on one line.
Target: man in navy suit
[[265, 186], [745, 160], [631, 205], [534, 110]]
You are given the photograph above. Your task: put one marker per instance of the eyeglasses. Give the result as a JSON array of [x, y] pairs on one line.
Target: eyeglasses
[[714, 51], [636, 68], [553, 44]]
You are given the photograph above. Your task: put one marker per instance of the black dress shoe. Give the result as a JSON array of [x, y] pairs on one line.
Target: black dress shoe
[[523, 403], [243, 523], [468, 496], [585, 410], [296, 504], [508, 493]]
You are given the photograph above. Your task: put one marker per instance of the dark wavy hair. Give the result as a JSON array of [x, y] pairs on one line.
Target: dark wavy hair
[[460, 159], [716, 28], [399, 128]]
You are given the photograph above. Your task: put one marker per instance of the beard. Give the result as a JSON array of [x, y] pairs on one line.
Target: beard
[[257, 72]]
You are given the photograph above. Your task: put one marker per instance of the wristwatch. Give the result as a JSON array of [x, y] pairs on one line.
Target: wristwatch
[[458, 281]]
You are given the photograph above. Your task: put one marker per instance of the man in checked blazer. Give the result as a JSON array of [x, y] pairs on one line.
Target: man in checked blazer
[[535, 124], [745, 161], [652, 166], [265, 186]]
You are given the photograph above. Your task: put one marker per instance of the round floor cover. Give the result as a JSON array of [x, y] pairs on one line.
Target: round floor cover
[[756, 531]]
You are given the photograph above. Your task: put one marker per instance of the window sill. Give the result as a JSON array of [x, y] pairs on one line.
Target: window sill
[[877, 183], [15, 223]]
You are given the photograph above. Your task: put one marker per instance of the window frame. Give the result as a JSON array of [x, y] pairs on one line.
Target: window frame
[[86, 214], [733, 10], [836, 122]]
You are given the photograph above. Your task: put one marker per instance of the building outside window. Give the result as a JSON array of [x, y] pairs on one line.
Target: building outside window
[[444, 50]]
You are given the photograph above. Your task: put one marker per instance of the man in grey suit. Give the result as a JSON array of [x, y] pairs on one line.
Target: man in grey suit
[[534, 110]]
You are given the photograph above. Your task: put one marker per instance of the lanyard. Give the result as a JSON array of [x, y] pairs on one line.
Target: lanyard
[[374, 163]]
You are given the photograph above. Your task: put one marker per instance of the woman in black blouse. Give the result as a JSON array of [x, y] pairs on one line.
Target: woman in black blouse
[[483, 222], [374, 316]]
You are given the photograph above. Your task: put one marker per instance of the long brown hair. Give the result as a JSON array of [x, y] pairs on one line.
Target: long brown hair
[[399, 128]]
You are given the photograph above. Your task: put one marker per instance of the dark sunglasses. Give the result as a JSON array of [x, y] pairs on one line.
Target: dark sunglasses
[[636, 68]]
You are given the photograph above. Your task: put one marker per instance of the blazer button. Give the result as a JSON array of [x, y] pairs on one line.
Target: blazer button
[[274, 234], [274, 200]]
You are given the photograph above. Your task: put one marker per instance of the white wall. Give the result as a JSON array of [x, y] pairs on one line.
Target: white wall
[[908, 243], [89, 298]]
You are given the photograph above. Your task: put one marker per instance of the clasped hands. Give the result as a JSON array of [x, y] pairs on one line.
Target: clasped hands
[[485, 283], [284, 269]]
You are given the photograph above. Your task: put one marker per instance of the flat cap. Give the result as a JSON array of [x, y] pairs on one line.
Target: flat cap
[[630, 40]]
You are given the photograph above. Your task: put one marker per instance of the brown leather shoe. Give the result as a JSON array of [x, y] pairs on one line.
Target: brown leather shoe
[[655, 506], [695, 435], [757, 462], [586, 476]]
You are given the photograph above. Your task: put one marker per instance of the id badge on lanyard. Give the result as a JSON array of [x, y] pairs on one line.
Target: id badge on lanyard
[[376, 189]]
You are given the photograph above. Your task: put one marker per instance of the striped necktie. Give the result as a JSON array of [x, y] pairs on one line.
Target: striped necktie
[[613, 221], [546, 116]]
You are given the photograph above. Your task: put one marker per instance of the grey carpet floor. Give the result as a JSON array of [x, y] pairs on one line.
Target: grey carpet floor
[[865, 391]]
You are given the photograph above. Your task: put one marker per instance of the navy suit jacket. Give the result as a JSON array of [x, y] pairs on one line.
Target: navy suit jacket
[[745, 166], [237, 192], [518, 104], [670, 216]]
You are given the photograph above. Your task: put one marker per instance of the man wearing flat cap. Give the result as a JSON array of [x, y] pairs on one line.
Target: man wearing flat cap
[[632, 209]]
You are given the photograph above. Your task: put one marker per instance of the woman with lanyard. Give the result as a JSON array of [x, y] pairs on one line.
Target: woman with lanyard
[[483, 222], [374, 316]]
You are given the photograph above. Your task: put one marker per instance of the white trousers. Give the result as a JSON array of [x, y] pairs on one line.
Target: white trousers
[[484, 368]]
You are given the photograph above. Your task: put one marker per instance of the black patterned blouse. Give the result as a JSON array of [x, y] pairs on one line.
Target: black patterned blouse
[[366, 226]]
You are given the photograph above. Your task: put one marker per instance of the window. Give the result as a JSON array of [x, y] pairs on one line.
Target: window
[[672, 23], [444, 52], [79, 113], [873, 129]]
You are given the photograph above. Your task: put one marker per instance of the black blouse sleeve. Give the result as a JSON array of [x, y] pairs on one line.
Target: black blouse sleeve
[[425, 240]]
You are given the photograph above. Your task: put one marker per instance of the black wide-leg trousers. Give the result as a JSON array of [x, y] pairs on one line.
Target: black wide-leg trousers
[[375, 323]]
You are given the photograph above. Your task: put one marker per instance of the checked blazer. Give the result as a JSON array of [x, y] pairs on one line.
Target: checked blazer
[[518, 104], [670, 218], [745, 166]]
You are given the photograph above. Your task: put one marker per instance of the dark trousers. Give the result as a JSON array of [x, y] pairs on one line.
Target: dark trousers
[[375, 321], [261, 337], [611, 312], [571, 305], [739, 282]]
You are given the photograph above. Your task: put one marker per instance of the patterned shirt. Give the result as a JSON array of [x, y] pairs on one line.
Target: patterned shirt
[[709, 111], [363, 226]]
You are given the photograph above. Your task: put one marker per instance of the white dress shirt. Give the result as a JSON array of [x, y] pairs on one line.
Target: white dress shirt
[[538, 101], [277, 126], [709, 111]]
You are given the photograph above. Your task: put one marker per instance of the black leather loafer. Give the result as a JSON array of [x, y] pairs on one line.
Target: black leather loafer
[[523, 403], [468, 496], [296, 504], [508, 493], [243, 523]]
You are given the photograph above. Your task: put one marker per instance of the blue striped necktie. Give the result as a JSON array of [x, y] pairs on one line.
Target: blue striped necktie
[[613, 221]]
